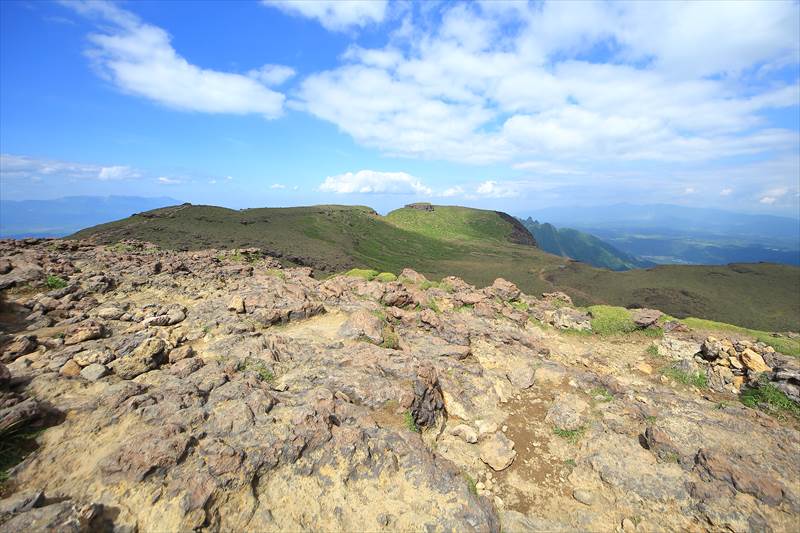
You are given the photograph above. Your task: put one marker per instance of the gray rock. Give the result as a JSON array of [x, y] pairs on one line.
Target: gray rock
[[94, 371]]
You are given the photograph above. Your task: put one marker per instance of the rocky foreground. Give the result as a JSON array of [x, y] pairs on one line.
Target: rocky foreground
[[175, 391]]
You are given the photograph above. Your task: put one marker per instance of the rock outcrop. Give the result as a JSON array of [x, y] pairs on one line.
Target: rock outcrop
[[216, 391]]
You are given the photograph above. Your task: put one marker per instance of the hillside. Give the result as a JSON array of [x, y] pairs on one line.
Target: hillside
[[156, 390], [568, 242], [473, 244]]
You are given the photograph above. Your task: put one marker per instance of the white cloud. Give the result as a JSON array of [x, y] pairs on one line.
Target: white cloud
[[727, 191], [139, 59], [277, 186], [272, 74], [475, 88], [689, 190], [374, 182], [163, 180], [117, 173], [334, 15], [229, 178], [452, 191], [20, 166], [493, 189]]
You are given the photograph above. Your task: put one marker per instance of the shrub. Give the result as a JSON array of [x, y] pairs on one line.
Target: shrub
[[386, 276], [390, 339], [54, 282], [608, 320], [363, 273]]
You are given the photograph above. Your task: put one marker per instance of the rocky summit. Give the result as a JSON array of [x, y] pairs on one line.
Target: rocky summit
[[151, 390]]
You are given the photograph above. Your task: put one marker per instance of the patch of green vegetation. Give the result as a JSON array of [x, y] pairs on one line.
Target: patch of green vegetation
[[16, 442], [610, 320], [433, 306], [721, 405], [694, 379], [570, 462], [520, 306], [120, 248], [471, 485], [386, 277], [390, 339], [362, 273], [767, 397], [784, 345], [409, 422], [465, 308], [670, 457], [277, 272], [571, 435], [257, 367], [55, 282], [601, 394], [652, 350], [650, 419]]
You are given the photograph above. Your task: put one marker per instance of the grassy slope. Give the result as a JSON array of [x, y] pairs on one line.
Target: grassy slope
[[761, 296], [466, 242], [472, 244]]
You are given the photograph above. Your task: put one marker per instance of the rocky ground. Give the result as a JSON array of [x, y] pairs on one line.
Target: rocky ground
[[173, 391]]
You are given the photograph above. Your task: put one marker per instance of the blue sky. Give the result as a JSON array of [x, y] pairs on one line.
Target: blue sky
[[504, 105]]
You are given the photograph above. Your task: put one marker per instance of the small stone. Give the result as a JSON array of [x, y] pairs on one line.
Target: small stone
[[178, 354], [236, 304], [93, 372], [466, 433], [644, 368], [479, 485], [70, 369], [498, 452], [584, 496], [753, 361], [628, 525]]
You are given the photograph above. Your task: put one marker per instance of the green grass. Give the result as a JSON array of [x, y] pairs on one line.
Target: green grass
[[362, 273], [603, 393], [386, 277], [277, 272], [390, 339], [409, 423], [694, 379], [570, 462], [571, 435], [257, 367], [652, 350], [55, 282], [610, 320], [473, 488], [783, 345], [520, 306], [767, 397], [16, 442]]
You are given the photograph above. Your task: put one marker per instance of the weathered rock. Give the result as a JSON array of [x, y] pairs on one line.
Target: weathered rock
[[236, 304], [644, 318], [147, 356], [23, 344], [84, 331], [567, 412], [412, 275], [503, 289], [466, 433], [178, 354], [521, 376], [428, 399], [753, 361], [70, 369], [363, 325], [498, 451], [93, 372]]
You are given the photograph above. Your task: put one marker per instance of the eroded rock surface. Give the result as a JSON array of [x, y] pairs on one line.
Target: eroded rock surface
[[216, 391]]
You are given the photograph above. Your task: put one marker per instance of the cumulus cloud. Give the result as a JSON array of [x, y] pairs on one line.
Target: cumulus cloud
[[452, 191], [493, 189], [334, 15], [272, 74], [277, 186], [375, 182], [138, 58], [727, 191], [20, 166], [163, 180], [476, 88]]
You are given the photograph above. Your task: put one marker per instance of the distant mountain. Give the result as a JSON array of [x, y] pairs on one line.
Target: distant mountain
[[581, 246], [56, 218], [671, 234]]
